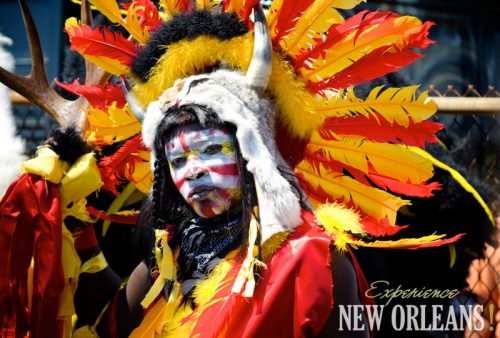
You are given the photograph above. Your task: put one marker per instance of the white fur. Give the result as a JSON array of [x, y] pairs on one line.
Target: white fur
[[12, 149]]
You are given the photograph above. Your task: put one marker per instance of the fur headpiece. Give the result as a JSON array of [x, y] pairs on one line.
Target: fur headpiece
[[228, 94]]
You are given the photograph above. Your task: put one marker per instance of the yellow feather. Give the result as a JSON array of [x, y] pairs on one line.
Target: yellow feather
[[111, 66], [458, 177], [153, 322], [296, 106], [393, 160], [141, 176], [205, 4], [347, 51], [110, 9], [336, 216], [234, 6], [372, 201], [272, 16], [315, 21], [396, 105], [110, 126], [399, 244]]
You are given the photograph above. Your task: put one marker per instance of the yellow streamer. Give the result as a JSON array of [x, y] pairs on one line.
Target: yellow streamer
[[95, 264]]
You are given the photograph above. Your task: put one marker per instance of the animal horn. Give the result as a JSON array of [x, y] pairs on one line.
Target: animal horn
[[36, 87], [260, 68], [136, 108]]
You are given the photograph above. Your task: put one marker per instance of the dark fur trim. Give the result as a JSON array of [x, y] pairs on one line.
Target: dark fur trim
[[185, 26], [68, 143]]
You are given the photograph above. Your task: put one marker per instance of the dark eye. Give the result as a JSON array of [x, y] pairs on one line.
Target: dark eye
[[177, 162], [213, 149]]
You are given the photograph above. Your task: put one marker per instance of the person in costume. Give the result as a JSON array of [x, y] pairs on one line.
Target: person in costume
[[235, 125]]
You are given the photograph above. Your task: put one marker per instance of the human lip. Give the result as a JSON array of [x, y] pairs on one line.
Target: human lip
[[200, 191]]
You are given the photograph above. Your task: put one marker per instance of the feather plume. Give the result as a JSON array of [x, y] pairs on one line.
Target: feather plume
[[286, 19], [221, 302], [110, 9], [396, 105], [377, 129], [152, 323], [428, 241], [146, 11], [99, 42], [391, 159], [205, 4], [110, 126], [359, 43], [382, 227], [139, 173], [378, 63], [114, 168], [315, 21], [337, 32], [99, 97], [370, 201], [172, 7]]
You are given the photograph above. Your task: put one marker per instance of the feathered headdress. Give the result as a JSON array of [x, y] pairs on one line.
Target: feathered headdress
[[349, 154]]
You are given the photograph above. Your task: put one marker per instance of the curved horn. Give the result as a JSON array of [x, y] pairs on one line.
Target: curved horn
[[136, 108], [260, 68]]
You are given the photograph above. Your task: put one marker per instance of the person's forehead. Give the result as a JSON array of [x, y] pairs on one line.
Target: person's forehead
[[194, 133]]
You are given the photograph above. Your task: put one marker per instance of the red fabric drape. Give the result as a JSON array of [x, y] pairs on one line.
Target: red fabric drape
[[30, 227]]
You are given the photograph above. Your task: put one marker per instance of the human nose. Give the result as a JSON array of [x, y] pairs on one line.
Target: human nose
[[195, 169]]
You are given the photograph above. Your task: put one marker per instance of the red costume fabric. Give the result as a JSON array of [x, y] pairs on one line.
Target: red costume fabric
[[30, 224], [294, 296]]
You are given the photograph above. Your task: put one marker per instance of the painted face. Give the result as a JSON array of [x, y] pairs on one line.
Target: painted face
[[203, 166]]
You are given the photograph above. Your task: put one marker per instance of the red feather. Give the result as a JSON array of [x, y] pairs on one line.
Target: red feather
[[247, 9], [408, 189], [337, 32], [224, 304], [147, 12], [98, 96], [101, 42], [114, 168], [381, 61], [381, 227], [372, 178], [122, 219], [376, 128], [287, 18]]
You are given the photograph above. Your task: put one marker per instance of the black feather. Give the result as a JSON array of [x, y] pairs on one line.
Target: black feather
[[185, 26], [68, 143]]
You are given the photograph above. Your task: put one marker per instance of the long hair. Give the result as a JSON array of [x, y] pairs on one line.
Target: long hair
[[165, 206]]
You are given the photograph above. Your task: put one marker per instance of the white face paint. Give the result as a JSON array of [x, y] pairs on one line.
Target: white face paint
[[203, 167]]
